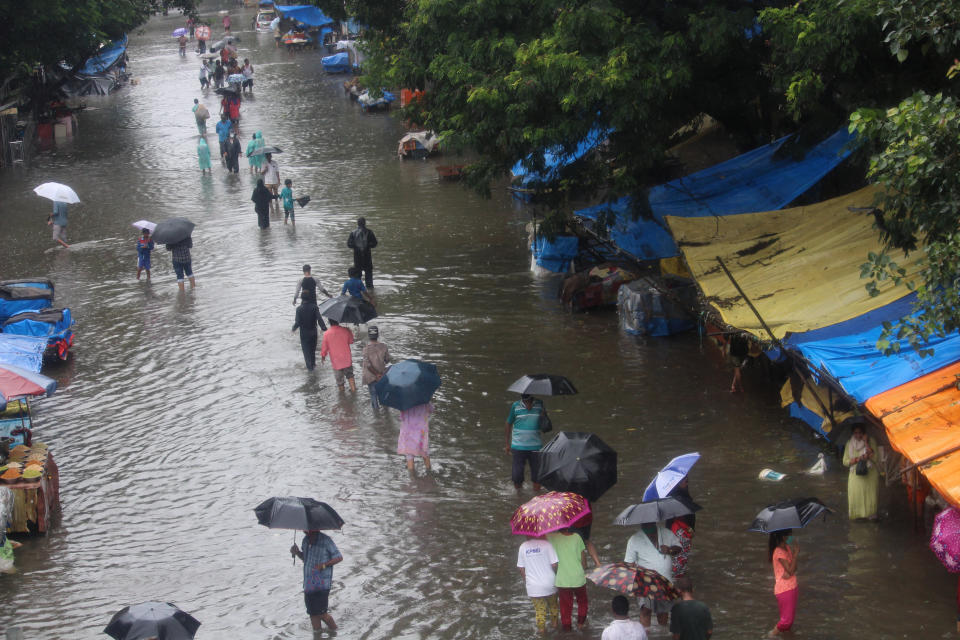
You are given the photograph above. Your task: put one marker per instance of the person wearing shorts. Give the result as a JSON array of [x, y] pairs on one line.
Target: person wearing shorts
[[319, 554], [336, 344], [58, 220], [182, 262]]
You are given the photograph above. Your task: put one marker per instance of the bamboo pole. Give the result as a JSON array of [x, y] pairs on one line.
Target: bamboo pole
[[806, 382]]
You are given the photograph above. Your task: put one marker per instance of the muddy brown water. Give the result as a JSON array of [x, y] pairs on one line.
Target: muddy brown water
[[177, 414]]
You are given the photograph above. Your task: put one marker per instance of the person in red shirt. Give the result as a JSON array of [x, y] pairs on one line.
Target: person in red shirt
[[336, 344]]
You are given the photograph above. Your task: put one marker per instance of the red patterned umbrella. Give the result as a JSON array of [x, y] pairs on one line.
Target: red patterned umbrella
[[548, 512], [632, 579], [945, 539]]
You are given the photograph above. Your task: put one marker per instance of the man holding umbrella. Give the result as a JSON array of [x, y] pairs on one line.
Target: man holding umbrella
[[523, 438], [319, 554]]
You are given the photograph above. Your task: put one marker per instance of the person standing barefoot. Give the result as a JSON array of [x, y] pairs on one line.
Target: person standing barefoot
[[783, 557], [414, 440], [319, 554]]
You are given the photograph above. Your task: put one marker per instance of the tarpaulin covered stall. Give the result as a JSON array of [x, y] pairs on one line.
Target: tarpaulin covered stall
[[555, 255], [847, 352], [922, 419], [305, 13], [800, 267], [759, 180]]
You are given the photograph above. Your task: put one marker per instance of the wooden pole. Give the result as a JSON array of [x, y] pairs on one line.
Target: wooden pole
[[806, 382]]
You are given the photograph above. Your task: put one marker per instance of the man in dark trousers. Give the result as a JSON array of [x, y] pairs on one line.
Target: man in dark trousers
[[362, 240], [307, 320]]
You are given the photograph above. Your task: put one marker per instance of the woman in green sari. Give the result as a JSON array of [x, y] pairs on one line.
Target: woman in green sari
[[256, 161], [863, 483]]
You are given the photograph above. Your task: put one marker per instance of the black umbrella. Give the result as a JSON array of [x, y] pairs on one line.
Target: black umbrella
[[348, 310], [543, 384], [408, 384], [303, 201], [303, 514], [265, 150], [789, 514], [152, 620], [222, 91], [578, 462], [656, 511], [172, 230]]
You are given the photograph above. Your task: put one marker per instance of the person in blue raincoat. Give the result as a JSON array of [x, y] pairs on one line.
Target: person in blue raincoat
[[203, 156], [255, 160]]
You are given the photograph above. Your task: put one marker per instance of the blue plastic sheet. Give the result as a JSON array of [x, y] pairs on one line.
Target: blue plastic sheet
[[305, 13], [847, 352], [555, 159], [556, 255], [754, 181], [336, 63], [31, 327], [105, 59], [25, 352], [812, 419]]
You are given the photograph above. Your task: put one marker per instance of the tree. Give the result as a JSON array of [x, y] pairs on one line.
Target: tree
[[507, 80], [49, 32]]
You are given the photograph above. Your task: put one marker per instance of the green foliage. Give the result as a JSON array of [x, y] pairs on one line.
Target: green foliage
[[507, 80], [47, 32], [920, 23], [917, 162]]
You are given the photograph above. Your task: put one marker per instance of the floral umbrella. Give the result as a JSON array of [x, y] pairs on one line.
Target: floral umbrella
[[548, 512], [945, 539], [634, 580]]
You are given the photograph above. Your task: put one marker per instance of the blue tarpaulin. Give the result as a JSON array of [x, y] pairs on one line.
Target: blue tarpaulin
[[812, 419], [754, 181], [305, 13], [25, 352], [555, 255], [105, 59], [847, 352], [336, 63], [555, 159]]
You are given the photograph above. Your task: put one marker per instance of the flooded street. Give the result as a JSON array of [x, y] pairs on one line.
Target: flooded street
[[177, 414]]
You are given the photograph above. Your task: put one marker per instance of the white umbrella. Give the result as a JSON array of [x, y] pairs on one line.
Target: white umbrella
[[57, 192], [145, 224]]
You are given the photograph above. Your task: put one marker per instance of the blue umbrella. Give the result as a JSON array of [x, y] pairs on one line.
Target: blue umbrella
[[179, 32], [670, 476], [408, 384]]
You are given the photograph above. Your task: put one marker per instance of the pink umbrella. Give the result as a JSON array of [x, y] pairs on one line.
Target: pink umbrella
[[945, 544], [18, 383], [945, 539], [548, 512]]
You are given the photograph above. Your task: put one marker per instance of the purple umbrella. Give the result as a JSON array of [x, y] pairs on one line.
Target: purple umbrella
[[179, 32]]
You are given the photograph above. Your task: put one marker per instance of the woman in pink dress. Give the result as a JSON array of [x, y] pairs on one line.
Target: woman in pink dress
[[415, 434]]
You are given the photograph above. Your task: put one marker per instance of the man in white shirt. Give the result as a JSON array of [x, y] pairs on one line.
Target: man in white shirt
[[643, 550], [622, 628], [271, 175]]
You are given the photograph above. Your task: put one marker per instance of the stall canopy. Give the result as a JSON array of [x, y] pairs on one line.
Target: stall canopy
[[556, 158], [305, 13], [847, 352], [922, 419], [25, 352], [555, 255], [800, 267], [105, 59], [759, 180]]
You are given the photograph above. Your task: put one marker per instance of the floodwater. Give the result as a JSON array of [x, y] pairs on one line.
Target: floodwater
[[177, 414]]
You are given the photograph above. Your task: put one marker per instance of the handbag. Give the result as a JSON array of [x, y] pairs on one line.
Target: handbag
[[545, 423], [862, 468]]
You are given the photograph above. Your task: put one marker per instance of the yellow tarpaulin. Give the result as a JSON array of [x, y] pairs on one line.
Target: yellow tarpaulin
[[800, 267], [922, 419]]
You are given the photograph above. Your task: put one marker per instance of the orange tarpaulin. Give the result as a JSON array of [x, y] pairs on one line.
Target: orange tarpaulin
[[922, 419]]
